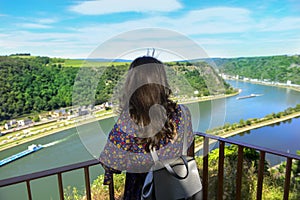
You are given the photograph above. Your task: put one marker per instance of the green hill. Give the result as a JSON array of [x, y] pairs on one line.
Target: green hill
[[273, 68], [35, 84]]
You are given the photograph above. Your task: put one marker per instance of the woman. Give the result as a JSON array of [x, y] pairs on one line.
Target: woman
[[148, 119]]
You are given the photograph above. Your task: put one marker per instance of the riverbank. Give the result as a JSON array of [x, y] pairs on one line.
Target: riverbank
[[56, 127], [268, 84], [208, 98], [53, 129], [227, 134]]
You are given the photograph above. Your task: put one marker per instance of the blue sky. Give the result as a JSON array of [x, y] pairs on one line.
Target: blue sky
[[224, 28]]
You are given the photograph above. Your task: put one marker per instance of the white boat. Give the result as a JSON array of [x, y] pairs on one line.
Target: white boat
[[249, 96], [31, 149]]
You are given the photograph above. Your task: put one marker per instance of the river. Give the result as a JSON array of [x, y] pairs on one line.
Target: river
[[67, 147]]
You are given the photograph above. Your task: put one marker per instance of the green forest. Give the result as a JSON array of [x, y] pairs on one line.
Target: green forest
[[272, 68], [33, 84]]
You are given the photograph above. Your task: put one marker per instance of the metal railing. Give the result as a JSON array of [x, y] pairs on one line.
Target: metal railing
[[56, 171], [262, 151], [222, 141]]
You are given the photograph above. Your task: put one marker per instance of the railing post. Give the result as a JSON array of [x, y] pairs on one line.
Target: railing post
[[111, 189], [205, 168], [60, 187], [221, 170], [87, 183], [28, 190], [239, 173], [287, 178], [261, 170]]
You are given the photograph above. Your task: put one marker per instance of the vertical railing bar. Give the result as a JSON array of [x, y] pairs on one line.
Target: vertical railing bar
[[28, 190], [221, 170], [87, 183], [205, 168], [60, 187], [239, 173], [261, 170], [111, 189], [287, 178]]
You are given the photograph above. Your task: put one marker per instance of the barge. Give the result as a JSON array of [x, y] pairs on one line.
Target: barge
[[31, 149], [249, 96]]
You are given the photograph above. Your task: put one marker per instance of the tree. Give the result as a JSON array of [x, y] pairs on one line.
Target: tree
[[36, 118], [248, 122], [241, 123]]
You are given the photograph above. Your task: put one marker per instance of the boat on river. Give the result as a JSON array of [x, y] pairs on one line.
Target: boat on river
[[248, 96], [31, 149]]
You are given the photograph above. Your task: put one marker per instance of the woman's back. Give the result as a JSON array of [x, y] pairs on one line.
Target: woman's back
[[148, 119], [122, 153]]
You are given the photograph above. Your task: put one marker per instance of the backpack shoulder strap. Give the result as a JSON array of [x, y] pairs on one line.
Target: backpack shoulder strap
[[184, 117], [154, 155]]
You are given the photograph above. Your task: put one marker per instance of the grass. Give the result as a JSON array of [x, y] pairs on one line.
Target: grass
[[73, 63], [16, 56], [84, 63]]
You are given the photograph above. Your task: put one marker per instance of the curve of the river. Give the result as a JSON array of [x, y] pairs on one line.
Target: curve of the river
[[65, 147]]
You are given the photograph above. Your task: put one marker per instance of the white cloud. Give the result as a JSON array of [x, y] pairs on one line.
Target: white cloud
[[36, 23], [206, 21], [3, 35], [223, 13], [223, 31], [216, 20], [46, 20], [101, 7], [55, 44], [34, 26], [280, 24], [83, 40]]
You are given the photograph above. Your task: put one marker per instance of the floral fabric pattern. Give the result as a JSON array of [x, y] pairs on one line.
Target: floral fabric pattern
[[122, 153]]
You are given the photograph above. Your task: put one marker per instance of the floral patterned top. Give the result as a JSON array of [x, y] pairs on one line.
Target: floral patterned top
[[122, 153]]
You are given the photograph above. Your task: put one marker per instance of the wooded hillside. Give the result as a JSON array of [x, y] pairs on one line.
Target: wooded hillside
[[273, 68], [34, 84]]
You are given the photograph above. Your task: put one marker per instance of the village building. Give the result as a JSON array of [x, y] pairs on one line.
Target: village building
[[24, 122], [7, 126]]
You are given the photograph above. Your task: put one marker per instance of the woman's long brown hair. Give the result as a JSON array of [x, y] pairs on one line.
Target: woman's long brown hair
[[146, 86]]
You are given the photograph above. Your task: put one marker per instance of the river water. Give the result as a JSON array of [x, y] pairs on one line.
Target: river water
[[67, 147]]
